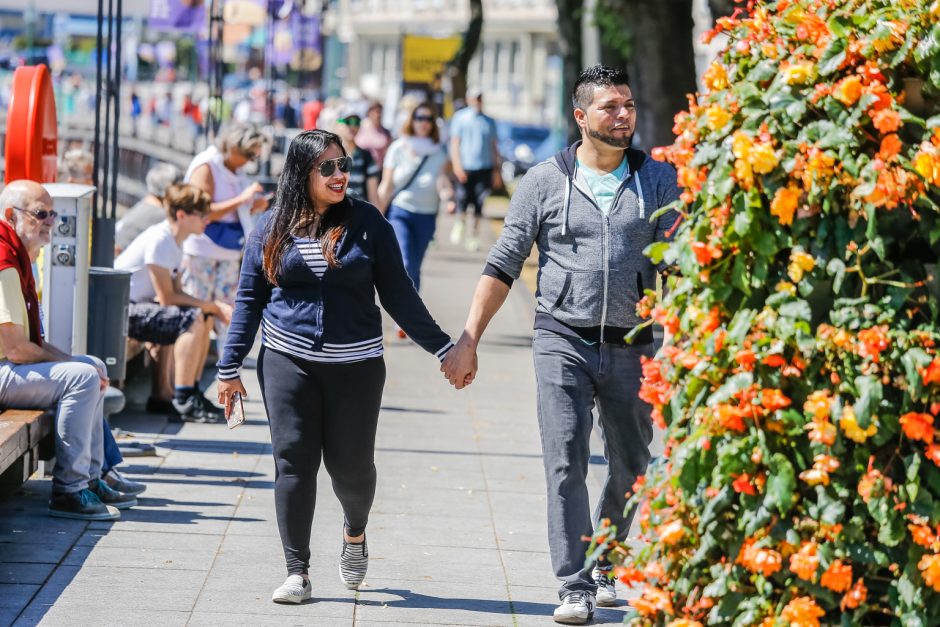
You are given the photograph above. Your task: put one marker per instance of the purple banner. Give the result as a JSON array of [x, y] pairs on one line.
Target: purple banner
[[180, 15], [296, 34]]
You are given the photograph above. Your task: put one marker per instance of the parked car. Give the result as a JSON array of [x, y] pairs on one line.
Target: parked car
[[518, 144]]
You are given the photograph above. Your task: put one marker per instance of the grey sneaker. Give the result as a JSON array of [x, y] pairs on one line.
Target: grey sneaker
[[197, 408], [353, 563], [109, 496], [577, 608], [295, 589], [81, 505], [117, 481], [606, 592]]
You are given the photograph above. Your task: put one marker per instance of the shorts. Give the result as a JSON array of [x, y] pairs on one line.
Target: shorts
[[152, 322], [474, 192]]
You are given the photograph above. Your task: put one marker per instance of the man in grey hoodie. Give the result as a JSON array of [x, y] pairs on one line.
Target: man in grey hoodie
[[588, 210]]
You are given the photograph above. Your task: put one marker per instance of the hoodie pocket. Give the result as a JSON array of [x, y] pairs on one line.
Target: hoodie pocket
[[626, 287], [584, 294]]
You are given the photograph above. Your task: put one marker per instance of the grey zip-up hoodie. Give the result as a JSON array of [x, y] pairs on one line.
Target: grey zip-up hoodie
[[592, 270]]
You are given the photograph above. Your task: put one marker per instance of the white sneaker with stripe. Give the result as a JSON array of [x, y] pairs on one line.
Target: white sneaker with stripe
[[353, 563], [295, 589]]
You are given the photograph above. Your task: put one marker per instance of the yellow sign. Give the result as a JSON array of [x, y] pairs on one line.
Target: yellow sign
[[423, 58]]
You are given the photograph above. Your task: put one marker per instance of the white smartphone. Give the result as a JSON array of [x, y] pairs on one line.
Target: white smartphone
[[237, 415]]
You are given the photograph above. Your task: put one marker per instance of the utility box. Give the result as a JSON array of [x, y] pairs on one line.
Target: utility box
[[108, 298], [65, 268]]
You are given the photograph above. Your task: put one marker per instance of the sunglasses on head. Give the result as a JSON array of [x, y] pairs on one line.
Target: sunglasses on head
[[42, 215], [423, 118], [330, 165]]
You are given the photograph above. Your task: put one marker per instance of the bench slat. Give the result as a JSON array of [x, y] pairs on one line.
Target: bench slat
[[39, 423], [14, 442]]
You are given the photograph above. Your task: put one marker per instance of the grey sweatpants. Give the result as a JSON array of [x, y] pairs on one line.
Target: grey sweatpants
[[75, 388], [572, 376]]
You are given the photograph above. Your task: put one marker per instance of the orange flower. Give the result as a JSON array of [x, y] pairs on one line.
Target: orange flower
[[652, 601], [929, 566], [716, 117], [849, 424], [873, 483], [931, 374], [805, 561], [762, 158], [848, 90], [671, 532], [822, 431], [817, 404], [927, 164], [773, 399], [802, 612], [838, 577], [745, 358], [715, 77], [886, 121], [890, 147], [730, 417], [705, 253], [628, 575], [684, 622], [855, 597], [933, 453], [918, 426], [742, 484], [759, 559], [922, 535], [798, 73], [874, 340]]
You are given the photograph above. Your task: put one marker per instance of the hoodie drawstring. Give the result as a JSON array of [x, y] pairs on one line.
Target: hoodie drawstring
[[564, 221], [639, 194]]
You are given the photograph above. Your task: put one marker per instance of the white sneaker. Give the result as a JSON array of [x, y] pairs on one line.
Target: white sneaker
[[294, 590], [576, 609], [456, 233], [473, 244], [606, 592]]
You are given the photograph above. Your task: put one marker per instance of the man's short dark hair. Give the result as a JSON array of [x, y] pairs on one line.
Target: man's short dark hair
[[595, 76]]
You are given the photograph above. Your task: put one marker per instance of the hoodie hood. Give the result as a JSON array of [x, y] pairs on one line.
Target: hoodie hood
[[566, 160]]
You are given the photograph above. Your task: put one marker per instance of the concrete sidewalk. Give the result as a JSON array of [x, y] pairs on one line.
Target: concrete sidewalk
[[457, 534]]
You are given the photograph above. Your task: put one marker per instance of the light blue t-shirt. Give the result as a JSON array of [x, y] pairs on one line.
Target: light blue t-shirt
[[604, 185], [476, 132]]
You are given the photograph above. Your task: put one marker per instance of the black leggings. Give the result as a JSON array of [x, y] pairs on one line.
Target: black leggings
[[312, 408]]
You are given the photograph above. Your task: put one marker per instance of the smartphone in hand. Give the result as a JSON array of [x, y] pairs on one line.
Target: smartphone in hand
[[236, 415]]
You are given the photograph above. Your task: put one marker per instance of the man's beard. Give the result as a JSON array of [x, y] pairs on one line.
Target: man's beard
[[610, 140]]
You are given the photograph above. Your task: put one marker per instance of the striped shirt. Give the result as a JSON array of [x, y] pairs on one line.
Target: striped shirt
[[312, 253]]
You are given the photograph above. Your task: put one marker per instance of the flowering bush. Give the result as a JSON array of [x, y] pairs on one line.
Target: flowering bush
[[799, 382]]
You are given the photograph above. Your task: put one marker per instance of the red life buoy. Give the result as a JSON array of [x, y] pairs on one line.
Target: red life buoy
[[32, 135]]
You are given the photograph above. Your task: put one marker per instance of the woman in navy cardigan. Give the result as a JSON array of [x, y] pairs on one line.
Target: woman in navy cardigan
[[311, 270]]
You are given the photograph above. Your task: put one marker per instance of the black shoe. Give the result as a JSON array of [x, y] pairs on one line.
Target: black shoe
[[109, 496], [160, 406], [81, 505], [198, 408]]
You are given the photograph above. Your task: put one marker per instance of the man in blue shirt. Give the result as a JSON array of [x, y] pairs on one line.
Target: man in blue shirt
[[475, 158]]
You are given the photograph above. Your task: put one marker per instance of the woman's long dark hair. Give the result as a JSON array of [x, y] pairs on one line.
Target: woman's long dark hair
[[293, 211]]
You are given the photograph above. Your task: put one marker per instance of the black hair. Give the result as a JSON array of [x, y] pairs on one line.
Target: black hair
[[595, 76], [293, 210]]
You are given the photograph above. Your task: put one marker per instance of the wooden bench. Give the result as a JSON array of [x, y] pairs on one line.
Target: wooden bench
[[26, 436]]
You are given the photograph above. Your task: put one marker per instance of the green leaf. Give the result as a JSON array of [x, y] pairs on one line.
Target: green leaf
[[656, 251], [869, 390], [732, 386], [781, 484], [797, 309], [914, 360], [740, 326], [836, 269], [833, 57]]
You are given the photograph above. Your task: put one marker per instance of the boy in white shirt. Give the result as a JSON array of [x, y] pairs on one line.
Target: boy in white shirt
[[160, 312]]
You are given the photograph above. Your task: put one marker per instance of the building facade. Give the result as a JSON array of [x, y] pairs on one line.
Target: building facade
[[516, 64]]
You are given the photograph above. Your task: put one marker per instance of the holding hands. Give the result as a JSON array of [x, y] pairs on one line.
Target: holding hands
[[460, 363]]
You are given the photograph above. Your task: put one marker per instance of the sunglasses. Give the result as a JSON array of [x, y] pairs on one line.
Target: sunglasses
[[42, 215], [350, 121], [329, 166], [423, 118]]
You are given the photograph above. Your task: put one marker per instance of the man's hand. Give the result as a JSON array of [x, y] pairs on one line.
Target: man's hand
[[460, 173], [226, 390], [460, 363], [223, 311]]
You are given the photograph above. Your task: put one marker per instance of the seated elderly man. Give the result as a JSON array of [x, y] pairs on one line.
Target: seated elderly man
[[149, 209], [161, 312], [35, 374]]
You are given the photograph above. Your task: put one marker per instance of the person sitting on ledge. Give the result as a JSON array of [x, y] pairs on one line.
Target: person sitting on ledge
[[161, 313], [35, 374]]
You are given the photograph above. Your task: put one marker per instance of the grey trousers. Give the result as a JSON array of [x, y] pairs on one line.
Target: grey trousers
[[572, 377], [75, 387]]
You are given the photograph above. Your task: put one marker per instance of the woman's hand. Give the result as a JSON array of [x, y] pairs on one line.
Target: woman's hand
[[248, 194], [227, 390]]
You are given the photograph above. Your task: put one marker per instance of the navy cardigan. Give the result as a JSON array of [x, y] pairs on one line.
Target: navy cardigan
[[338, 308]]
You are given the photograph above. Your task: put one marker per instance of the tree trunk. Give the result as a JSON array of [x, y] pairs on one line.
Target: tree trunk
[[721, 8], [569, 32], [661, 66], [460, 64]]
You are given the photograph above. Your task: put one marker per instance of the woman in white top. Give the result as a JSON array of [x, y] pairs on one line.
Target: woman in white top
[[211, 261], [416, 168]]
